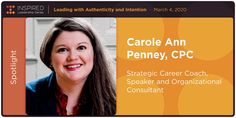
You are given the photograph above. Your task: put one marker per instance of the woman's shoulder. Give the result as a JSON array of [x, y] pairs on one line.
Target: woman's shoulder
[[39, 85], [39, 100]]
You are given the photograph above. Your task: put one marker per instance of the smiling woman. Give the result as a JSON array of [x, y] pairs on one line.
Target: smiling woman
[[72, 53], [80, 82]]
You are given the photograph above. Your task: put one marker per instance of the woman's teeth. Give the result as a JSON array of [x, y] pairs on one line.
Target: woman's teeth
[[74, 66]]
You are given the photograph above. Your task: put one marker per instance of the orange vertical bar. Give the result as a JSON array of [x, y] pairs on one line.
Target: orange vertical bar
[[13, 66]]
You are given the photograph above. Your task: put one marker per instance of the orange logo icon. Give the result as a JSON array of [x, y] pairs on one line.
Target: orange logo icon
[[10, 9]]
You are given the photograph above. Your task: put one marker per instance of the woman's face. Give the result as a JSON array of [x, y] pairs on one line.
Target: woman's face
[[72, 56]]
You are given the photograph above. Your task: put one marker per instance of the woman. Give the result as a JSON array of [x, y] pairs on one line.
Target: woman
[[80, 82]]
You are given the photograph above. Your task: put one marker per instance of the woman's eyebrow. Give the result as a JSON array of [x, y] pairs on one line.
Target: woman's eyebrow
[[63, 45], [82, 43]]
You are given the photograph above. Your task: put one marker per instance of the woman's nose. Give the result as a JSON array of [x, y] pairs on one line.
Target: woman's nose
[[73, 55]]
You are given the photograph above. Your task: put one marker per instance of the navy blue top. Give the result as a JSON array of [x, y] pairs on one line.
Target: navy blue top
[[41, 96]]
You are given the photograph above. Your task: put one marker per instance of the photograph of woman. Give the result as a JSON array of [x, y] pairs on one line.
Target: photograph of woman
[[81, 82]]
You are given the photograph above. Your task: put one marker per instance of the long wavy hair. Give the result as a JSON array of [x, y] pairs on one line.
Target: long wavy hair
[[98, 95]]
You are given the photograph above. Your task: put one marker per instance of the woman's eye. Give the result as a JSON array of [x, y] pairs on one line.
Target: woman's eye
[[62, 50], [82, 47]]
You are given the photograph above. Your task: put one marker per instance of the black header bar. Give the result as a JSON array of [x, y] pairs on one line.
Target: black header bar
[[117, 9]]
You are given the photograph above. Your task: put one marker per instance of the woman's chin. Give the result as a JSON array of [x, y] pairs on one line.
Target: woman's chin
[[76, 78]]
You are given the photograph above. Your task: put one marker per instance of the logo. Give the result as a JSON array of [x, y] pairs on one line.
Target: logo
[[10, 9], [30, 9]]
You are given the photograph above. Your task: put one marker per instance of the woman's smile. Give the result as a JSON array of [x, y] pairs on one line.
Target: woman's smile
[[73, 67]]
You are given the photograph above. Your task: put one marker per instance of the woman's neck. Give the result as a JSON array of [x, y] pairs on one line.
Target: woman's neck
[[72, 90]]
